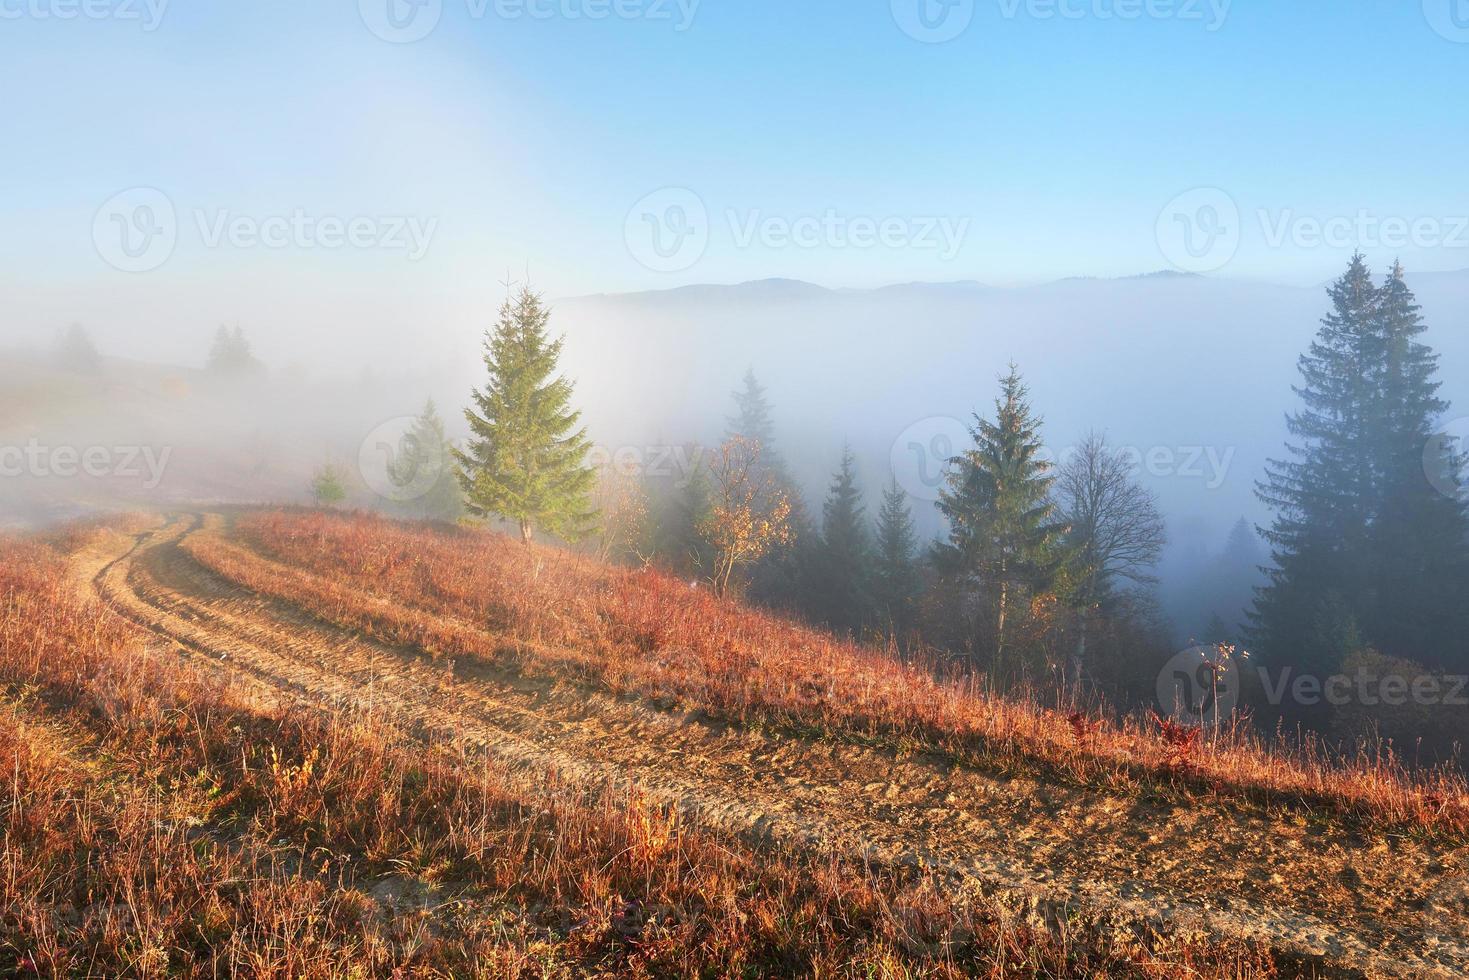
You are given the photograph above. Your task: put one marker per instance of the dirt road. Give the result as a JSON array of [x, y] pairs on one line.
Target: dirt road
[[1284, 878]]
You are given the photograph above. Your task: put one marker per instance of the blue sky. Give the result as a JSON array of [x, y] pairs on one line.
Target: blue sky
[[1033, 145]]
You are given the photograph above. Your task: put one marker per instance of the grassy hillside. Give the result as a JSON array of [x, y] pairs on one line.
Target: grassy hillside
[[298, 744]]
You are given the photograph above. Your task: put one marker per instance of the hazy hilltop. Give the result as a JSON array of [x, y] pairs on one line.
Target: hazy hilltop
[[125, 434]]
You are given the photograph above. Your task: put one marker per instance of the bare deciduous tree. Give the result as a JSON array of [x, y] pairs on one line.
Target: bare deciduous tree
[[1117, 533]]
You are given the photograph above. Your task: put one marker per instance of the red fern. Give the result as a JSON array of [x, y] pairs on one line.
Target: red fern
[[1081, 726], [1182, 740]]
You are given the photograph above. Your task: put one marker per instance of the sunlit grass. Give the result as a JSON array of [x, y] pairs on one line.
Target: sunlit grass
[[158, 823], [457, 593]]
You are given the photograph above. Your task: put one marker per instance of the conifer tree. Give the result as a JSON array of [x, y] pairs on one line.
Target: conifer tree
[[76, 352], [1242, 547], [1324, 493], [685, 512], [526, 459], [1420, 564], [230, 354], [423, 470], [1231, 580], [220, 350], [327, 487], [843, 566], [895, 573], [1005, 542], [1364, 546], [1218, 631], [754, 421]]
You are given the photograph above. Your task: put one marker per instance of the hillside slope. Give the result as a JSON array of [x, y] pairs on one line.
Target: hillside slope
[[1170, 859]]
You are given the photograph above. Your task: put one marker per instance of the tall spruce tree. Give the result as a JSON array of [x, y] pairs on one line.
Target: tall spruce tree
[[1324, 494], [1364, 549], [843, 596], [526, 459], [1420, 563], [1005, 542], [895, 581]]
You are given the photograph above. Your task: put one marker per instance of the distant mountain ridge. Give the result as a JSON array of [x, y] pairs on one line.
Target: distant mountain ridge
[[779, 287], [1162, 360]]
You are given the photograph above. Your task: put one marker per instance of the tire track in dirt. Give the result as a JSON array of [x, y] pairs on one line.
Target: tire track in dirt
[[1045, 849]]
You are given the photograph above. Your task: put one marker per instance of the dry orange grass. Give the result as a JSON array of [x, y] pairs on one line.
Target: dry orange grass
[[157, 823], [459, 593]]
